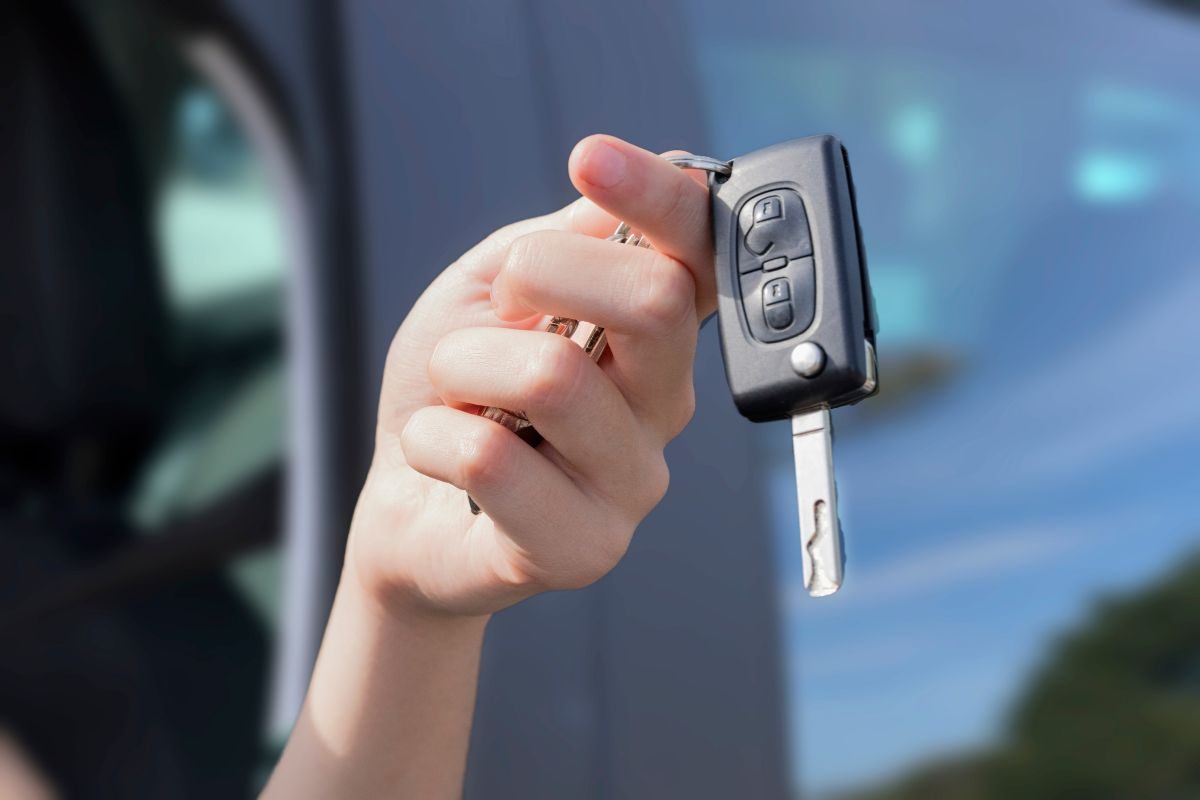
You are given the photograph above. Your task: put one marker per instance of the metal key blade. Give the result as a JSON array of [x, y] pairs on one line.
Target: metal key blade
[[816, 493]]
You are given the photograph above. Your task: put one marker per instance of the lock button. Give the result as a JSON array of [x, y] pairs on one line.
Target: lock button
[[768, 208], [776, 291], [774, 230]]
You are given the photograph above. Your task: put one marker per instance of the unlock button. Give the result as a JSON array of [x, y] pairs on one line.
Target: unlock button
[[779, 305]]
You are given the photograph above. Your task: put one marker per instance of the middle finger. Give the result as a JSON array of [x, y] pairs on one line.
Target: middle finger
[[644, 299], [566, 396]]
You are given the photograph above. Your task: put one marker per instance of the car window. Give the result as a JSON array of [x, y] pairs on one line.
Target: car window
[[1022, 492], [144, 454], [216, 227]]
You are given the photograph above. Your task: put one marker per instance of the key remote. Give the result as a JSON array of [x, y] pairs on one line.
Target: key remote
[[796, 316]]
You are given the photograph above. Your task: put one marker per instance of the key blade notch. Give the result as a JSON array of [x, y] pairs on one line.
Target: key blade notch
[[816, 494]]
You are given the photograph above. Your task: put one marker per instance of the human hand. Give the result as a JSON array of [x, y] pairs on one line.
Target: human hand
[[562, 515]]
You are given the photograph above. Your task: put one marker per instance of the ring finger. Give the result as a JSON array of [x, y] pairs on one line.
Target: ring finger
[[566, 396], [644, 299]]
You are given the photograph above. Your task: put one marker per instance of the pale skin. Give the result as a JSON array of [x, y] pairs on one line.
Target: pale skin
[[388, 712]]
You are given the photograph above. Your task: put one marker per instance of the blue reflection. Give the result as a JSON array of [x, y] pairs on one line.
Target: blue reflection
[[916, 134], [902, 296], [1029, 199], [1114, 177]]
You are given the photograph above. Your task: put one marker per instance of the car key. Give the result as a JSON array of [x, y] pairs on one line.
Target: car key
[[796, 316]]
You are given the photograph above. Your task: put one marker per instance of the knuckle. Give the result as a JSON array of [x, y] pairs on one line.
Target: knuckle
[[683, 410], [410, 434], [569, 580], [594, 562], [507, 233], [656, 481], [668, 296], [521, 578], [574, 577], [501, 237], [609, 542], [498, 241], [611, 550], [643, 489], [398, 444], [522, 257], [484, 456], [552, 375], [443, 357], [679, 210]]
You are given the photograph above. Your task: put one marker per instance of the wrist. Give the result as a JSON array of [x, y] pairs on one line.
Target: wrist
[[396, 554], [392, 694], [395, 606]]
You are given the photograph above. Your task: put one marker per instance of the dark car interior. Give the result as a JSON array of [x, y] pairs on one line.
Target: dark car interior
[[117, 604]]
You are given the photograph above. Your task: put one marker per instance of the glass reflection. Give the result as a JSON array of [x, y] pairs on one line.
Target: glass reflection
[[1029, 196]]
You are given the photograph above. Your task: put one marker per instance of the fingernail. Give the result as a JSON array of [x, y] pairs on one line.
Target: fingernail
[[604, 165]]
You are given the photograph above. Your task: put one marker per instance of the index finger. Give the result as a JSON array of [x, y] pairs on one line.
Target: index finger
[[653, 196]]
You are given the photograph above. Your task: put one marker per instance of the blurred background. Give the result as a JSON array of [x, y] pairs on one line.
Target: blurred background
[[216, 213]]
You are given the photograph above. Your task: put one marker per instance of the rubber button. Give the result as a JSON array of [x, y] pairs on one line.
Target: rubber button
[[768, 208], [775, 263], [779, 315], [776, 291]]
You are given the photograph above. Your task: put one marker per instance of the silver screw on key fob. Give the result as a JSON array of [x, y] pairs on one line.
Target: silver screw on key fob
[[796, 316]]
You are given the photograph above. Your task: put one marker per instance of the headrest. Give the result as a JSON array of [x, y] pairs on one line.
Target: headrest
[[81, 309]]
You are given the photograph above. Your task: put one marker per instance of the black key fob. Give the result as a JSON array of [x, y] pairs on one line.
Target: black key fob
[[796, 316]]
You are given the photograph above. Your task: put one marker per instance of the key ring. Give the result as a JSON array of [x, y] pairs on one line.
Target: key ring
[[706, 163], [683, 161]]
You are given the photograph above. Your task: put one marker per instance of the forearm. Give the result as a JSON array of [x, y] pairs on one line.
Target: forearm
[[390, 704], [388, 712]]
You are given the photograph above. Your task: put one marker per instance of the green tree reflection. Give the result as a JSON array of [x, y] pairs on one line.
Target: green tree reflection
[[1114, 712]]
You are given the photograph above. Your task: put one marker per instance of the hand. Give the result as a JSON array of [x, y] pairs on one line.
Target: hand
[[561, 515], [389, 707]]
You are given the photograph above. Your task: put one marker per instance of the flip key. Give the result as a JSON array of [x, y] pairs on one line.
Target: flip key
[[795, 312], [796, 317]]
